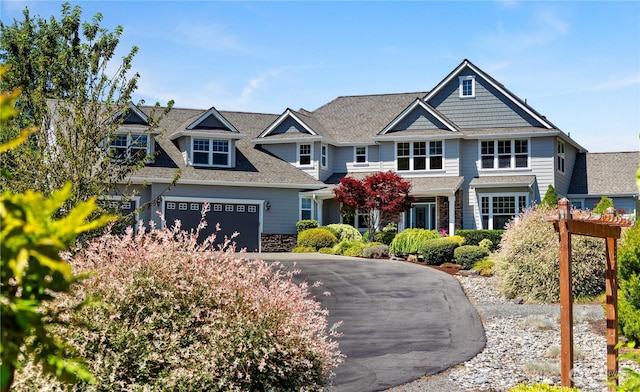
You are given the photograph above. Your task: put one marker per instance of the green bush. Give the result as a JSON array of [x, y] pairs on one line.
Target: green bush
[[541, 388], [528, 261], [468, 255], [460, 240], [602, 205], [629, 275], [438, 251], [379, 251], [387, 234], [484, 267], [317, 238], [473, 237], [326, 251], [344, 232], [339, 248], [487, 244], [550, 199], [355, 250], [306, 224], [411, 241], [303, 249]]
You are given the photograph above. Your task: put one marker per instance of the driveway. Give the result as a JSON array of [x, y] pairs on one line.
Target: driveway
[[401, 321]]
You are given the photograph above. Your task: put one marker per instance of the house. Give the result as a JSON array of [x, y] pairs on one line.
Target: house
[[474, 152]]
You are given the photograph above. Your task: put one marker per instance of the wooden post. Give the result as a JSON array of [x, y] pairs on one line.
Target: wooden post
[[612, 313], [566, 297]]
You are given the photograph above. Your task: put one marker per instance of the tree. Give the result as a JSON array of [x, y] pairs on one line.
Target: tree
[[33, 272], [383, 192], [604, 203], [550, 199], [61, 68]]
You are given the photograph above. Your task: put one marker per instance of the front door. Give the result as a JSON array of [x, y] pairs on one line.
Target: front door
[[423, 216]]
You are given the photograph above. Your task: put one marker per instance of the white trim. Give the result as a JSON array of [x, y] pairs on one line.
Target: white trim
[[461, 80], [516, 195], [208, 134], [230, 149], [129, 143], [427, 157], [511, 97], [410, 108], [280, 120], [311, 209], [181, 181], [213, 112], [496, 165]]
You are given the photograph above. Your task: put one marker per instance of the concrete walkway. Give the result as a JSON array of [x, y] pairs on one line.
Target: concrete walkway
[[401, 321]]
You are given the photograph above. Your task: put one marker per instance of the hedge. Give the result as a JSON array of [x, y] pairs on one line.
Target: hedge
[[317, 238], [469, 255], [473, 237], [438, 251]]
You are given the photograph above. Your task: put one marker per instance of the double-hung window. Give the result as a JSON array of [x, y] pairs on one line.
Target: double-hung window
[[125, 146], [360, 154], [467, 88], [210, 152], [304, 154], [504, 154], [419, 156], [560, 157], [305, 208], [323, 156]]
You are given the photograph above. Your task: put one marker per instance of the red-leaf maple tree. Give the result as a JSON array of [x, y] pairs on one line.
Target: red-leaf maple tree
[[375, 194]]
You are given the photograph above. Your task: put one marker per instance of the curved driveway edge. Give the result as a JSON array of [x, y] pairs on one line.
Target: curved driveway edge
[[401, 321]]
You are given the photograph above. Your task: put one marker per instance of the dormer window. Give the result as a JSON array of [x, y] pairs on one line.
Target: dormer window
[[467, 87], [210, 152], [127, 146]]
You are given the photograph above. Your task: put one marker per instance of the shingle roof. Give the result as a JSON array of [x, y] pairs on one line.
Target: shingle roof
[[253, 165], [419, 185], [610, 174], [502, 181]]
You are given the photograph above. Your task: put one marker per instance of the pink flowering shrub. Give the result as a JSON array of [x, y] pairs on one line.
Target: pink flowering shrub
[[175, 315]]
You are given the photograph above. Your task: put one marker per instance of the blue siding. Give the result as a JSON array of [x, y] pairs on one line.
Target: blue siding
[[211, 122], [289, 125], [488, 109], [418, 119]]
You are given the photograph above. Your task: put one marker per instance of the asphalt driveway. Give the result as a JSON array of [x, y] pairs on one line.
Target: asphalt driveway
[[400, 321]]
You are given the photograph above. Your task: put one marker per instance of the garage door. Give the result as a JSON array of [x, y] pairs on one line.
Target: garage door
[[241, 217]]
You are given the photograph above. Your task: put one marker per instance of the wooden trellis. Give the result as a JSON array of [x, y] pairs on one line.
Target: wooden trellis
[[608, 226]]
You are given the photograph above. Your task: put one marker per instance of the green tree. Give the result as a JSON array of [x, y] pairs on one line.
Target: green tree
[[33, 272], [604, 203], [550, 199], [77, 102]]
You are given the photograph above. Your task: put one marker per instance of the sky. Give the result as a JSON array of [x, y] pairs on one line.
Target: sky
[[575, 62]]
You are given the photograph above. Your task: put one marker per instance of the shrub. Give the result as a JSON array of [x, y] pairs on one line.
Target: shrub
[[306, 224], [376, 251], [355, 250], [387, 234], [456, 238], [342, 246], [345, 232], [303, 249], [317, 238], [487, 244], [178, 315], [484, 267], [550, 199], [438, 251], [473, 237], [469, 255], [629, 273], [528, 261], [602, 205], [411, 241], [326, 251]]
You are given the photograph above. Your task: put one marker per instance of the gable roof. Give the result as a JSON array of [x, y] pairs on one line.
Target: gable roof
[[431, 110], [205, 124], [605, 174], [281, 119], [466, 64]]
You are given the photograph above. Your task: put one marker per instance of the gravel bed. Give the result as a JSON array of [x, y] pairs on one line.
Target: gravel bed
[[523, 344]]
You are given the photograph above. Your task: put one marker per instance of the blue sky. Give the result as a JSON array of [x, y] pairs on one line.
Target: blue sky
[[577, 63]]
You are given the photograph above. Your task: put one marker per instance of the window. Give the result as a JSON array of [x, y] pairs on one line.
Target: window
[[252, 209], [323, 156], [217, 207], [360, 154], [304, 154], [194, 207], [228, 208], [171, 206], [576, 204], [210, 152], [240, 208], [129, 146], [497, 210], [560, 157], [182, 206], [467, 86], [305, 208], [504, 154], [419, 156]]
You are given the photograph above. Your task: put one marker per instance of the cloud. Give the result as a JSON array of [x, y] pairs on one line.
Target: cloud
[[212, 37], [615, 84]]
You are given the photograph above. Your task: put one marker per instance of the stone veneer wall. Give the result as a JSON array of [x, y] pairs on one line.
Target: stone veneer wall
[[443, 212], [278, 242]]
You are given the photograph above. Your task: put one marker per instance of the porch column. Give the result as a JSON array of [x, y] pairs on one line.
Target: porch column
[[452, 214], [319, 211]]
